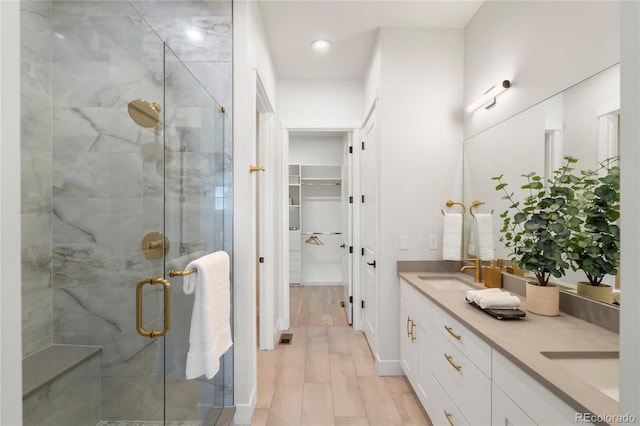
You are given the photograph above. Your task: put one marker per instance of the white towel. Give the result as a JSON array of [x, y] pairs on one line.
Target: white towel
[[616, 295], [452, 236], [210, 334], [483, 224], [471, 295], [172, 350], [498, 300]]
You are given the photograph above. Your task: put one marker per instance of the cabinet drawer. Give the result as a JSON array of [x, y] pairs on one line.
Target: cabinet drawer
[[467, 386], [531, 396], [505, 412], [441, 410], [421, 304], [472, 346]]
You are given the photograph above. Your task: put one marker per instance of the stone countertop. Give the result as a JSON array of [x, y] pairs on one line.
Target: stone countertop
[[521, 341]]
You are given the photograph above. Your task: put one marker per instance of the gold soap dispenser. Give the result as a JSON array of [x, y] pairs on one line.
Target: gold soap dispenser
[[492, 276]]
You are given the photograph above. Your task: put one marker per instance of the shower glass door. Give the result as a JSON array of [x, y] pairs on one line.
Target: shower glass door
[[125, 175], [195, 190]]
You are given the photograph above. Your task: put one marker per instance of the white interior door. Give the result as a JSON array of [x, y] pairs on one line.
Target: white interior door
[[368, 169], [347, 224]]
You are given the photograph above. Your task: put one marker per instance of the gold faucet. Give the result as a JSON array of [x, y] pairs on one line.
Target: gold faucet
[[478, 269]]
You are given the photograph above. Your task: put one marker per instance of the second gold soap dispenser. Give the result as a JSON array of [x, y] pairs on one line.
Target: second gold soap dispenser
[[492, 276]]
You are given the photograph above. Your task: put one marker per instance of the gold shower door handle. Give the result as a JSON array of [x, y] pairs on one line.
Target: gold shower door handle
[[167, 307], [253, 169]]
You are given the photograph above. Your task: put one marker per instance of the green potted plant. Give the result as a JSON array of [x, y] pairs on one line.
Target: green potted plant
[[594, 244], [536, 228]]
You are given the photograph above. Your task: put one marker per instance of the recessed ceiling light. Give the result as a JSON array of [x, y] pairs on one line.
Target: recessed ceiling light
[[321, 45]]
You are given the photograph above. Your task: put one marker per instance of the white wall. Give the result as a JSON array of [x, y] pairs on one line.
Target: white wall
[[10, 305], [318, 104], [630, 208], [372, 77], [316, 148], [543, 47], [420, 156], [251, 59]]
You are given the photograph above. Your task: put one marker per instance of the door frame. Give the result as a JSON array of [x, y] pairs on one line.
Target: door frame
[[309, 126], [267, 234], [371, 112]]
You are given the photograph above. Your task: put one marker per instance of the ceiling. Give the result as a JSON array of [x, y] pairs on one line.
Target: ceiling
[[351, 26]]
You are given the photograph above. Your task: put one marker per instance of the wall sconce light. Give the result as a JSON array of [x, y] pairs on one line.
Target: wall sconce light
[[489, 98]]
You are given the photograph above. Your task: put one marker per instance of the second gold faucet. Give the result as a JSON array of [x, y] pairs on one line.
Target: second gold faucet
[[477, 278]]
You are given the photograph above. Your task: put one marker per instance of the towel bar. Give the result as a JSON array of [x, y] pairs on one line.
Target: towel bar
[[174, 273]]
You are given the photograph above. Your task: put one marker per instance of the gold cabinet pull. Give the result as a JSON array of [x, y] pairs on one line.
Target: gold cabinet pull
[[454, 365], [413, 336], [409, 326], [450, 330], [253, 169], [448, 415], [167, 307]]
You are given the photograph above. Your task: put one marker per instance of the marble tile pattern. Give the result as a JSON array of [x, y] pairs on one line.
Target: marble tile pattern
[[36, 161], [107, 182], [72, 399]]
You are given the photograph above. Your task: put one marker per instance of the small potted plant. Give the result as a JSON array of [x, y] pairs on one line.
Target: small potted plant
[[536, 230], [594, 244]]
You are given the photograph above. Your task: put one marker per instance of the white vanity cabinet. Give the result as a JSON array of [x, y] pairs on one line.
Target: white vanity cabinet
[[538, 403], [506, 412], [415, 314], [461, 379], [461, 365]]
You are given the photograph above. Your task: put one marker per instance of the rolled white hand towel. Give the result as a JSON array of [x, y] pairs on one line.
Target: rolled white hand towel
[[471, 295], [498, 300]]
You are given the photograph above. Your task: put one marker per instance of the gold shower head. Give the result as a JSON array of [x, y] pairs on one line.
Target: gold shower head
[[144, 113]]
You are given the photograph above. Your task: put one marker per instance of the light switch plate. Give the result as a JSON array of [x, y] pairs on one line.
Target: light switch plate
[[433, 242], [404, 242]]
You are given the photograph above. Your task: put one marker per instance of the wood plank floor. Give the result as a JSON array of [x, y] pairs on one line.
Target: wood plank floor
[[327, 375], [316, 305]]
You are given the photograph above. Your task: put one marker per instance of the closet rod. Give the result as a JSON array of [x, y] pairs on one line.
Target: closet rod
[[320, 184], [322, 233]]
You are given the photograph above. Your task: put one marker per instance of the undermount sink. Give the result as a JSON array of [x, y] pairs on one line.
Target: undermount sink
[[445, 283], [599, 369]]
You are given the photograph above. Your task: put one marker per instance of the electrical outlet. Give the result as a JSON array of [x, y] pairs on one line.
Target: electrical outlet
[[433, 242]]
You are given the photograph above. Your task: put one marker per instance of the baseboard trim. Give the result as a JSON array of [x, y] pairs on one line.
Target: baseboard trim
[[389, 367], [244, 412]]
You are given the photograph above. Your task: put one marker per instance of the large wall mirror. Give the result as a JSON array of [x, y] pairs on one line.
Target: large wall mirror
[[582, 121]]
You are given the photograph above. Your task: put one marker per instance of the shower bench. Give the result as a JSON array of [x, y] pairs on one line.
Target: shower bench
[[61, 385]]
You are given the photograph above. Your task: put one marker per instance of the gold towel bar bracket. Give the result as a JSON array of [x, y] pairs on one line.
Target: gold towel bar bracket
[[451, 203], [174, 273], [476, 203]]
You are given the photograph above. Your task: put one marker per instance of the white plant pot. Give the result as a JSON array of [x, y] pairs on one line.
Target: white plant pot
[[543, 300], [602, 293]]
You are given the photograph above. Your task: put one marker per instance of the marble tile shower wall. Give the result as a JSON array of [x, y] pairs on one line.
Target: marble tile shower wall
[[36, 153], [92, 185]]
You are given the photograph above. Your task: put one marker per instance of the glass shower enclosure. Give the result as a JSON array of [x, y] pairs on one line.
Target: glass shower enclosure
[[126, 174]]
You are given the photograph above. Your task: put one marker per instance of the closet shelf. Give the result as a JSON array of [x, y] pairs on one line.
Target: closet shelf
[[321, 233], [321, 181]]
